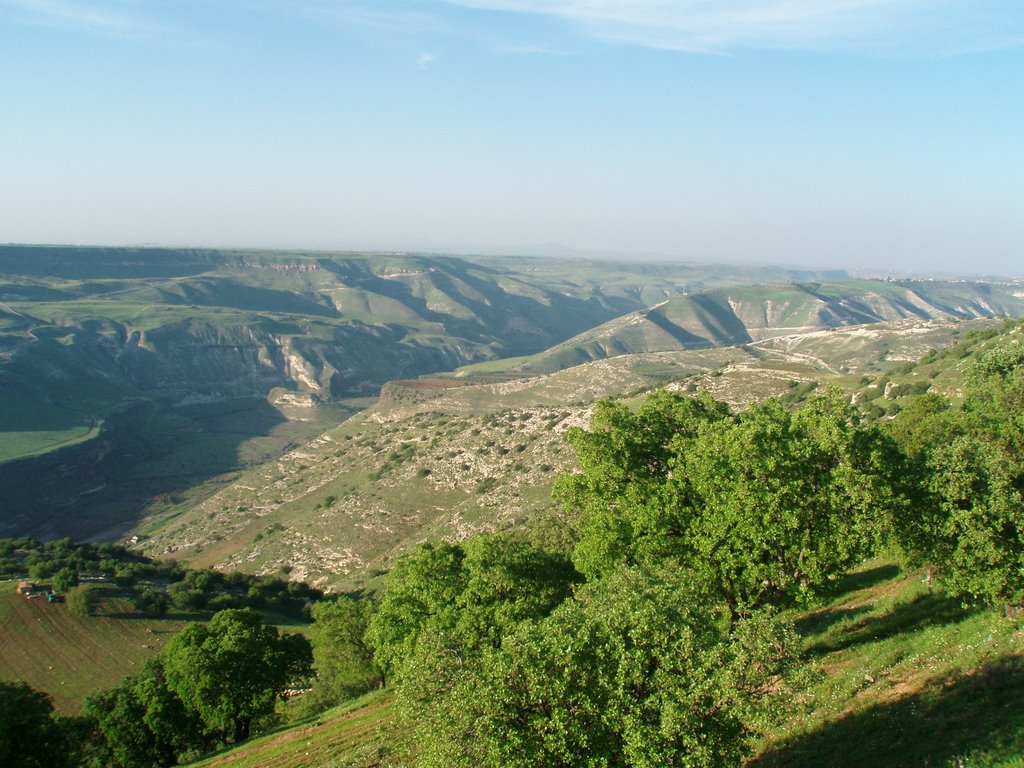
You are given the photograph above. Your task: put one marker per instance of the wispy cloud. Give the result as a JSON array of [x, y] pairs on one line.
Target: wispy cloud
[[921, 26], [398, 16], [528, 49], [425, 59], [113, 19], [930, 27]]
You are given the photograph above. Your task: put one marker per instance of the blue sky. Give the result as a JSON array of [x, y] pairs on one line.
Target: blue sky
[[876, 134]]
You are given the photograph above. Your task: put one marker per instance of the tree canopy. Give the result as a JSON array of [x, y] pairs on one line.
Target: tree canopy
[[635, 670], [231, 670], [30, 734], [341, 656], [763, 507], [142, 723], [972, 459], [475, 593]]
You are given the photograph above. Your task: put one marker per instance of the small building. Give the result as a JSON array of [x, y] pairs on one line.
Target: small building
[[26, 588]]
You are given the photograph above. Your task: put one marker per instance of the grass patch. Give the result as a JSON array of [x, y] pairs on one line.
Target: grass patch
[[354, 735], [70, 656], [904, 677]]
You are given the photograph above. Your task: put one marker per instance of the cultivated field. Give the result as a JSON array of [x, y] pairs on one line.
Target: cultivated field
[[70, 656]]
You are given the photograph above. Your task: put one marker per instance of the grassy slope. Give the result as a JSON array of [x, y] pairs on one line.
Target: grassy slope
[[906, 677], [355, 735], [70, 656], [901, 677]]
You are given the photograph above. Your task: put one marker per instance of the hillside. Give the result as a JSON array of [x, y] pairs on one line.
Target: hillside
[[899, 676], [744, 314], [355, 735], [130, 377], [910, 675], [449, 457], [70, 656], [137, 382]]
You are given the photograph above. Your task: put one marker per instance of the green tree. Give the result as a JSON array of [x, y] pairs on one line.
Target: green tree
[[153, 602], [776, 504], [31, 735], [231, 670], [468, 596], [925, 422], [118, 717], [65, 579], [142, 722], [764, 508], [973, 524], [995, 393], [624, 459], [635, 670], [508, 581], [81, 600], [980, 546], [342, 658], [421, 589]]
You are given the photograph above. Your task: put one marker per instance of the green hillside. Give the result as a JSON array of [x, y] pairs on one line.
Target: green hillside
[[136, 382], [354, 735], [448, 457], [69, 656], [742, 314], [108, 356], [910, 674], [899, 676]]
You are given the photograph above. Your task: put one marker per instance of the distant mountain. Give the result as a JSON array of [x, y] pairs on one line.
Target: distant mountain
[[743, 313]]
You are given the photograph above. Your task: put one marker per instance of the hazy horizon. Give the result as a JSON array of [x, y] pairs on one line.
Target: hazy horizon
[[864, 135]]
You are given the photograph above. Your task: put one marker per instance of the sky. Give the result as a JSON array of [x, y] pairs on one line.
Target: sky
[[866, 134]]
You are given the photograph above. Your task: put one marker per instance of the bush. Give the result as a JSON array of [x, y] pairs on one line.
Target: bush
[[152, 602], [487, 484], [82, 600], [65, 579]]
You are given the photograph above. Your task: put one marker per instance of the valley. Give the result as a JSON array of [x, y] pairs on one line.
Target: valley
[[223, 440], [317, 414]]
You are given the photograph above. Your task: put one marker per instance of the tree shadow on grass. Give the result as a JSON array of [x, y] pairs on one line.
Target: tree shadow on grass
[[168, 617], [854, 582], [821, 621], [981, 714], [926, 610]]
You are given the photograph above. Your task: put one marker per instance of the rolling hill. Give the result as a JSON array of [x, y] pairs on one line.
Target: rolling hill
[[449, 457], [742, 314], [131, 378], [137, 383]]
